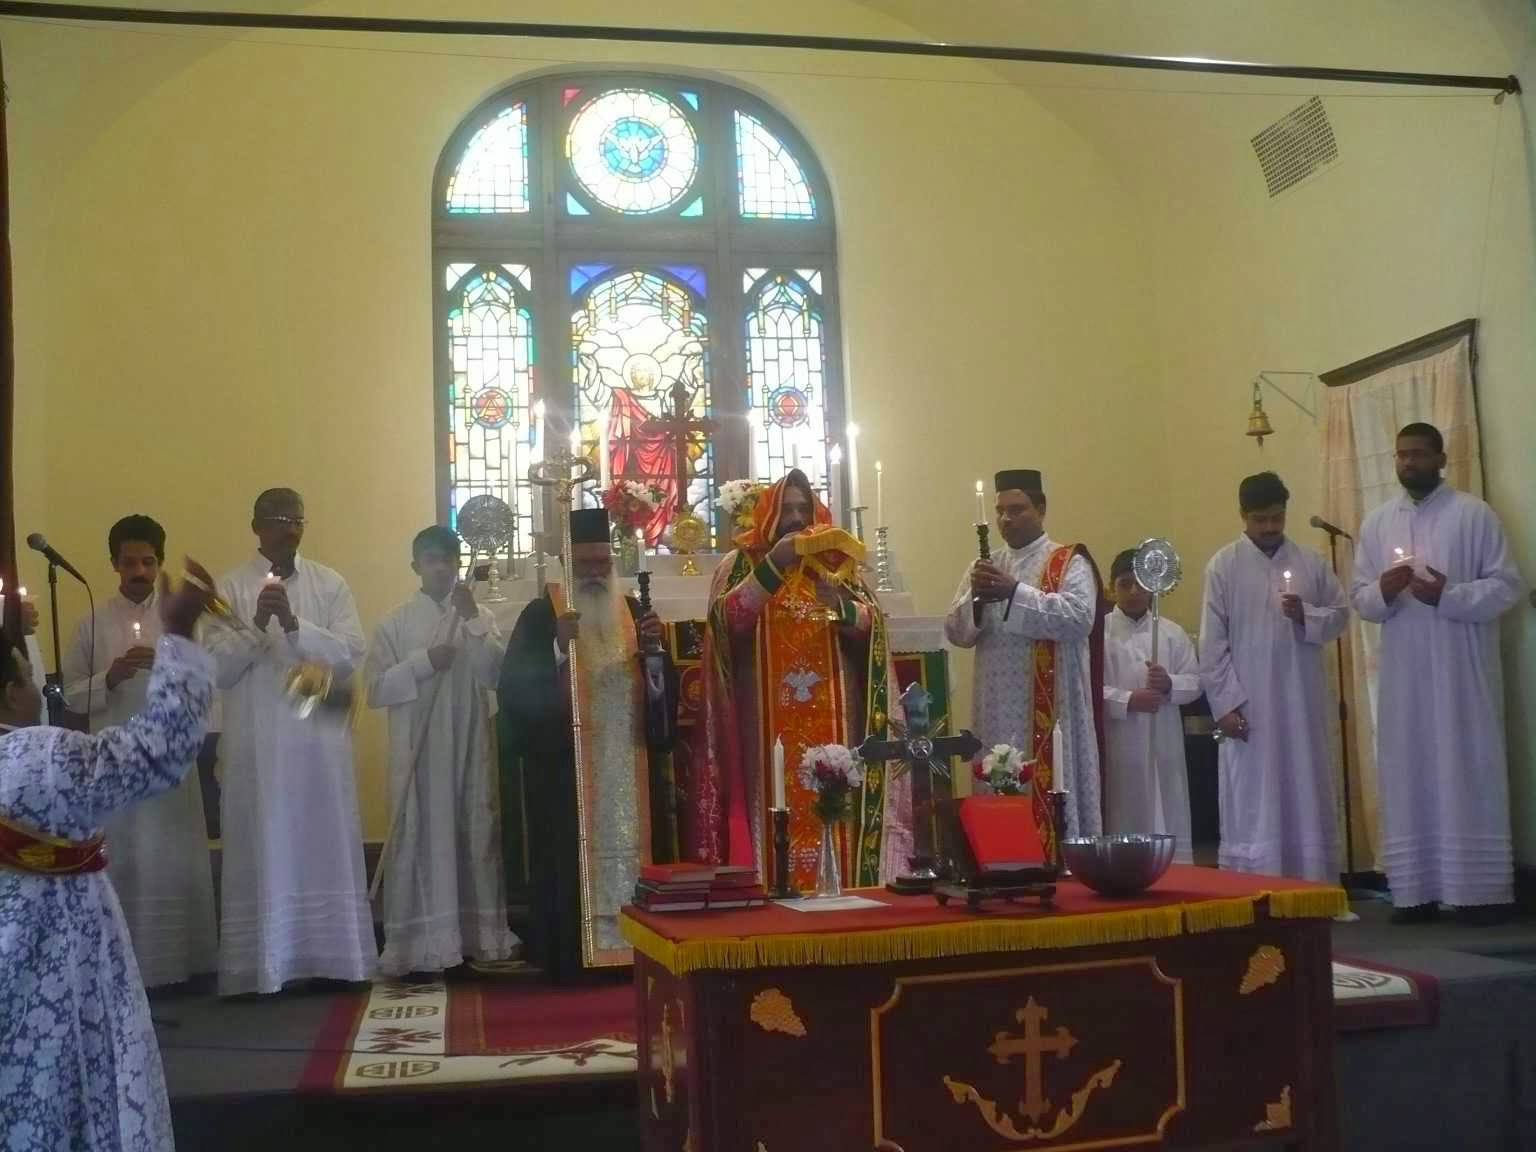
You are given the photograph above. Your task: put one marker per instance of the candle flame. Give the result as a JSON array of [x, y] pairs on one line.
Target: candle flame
[[21, 590], [575, 441], [879, 467], [853, 431], [538, 410], [1286, 573], [836, 454], [980, 487]]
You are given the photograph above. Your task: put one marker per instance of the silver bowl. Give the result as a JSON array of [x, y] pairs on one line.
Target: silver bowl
[[1119, 865]]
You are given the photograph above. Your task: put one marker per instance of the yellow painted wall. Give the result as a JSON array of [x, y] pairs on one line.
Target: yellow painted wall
[[222, 275]]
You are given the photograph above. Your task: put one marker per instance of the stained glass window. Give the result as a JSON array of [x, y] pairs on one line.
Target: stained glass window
[[652, 222], [492, 441], [770, 183], [636, 335], [786, 373], [633, 151], [492, 175]]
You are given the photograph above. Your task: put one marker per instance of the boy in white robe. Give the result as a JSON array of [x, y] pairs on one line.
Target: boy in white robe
[[158, 848], [433, 663], [1434, 571], [1147, 784], [1270, 607], [295, 890]]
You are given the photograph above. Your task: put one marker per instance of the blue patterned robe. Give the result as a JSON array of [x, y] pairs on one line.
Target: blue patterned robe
[[79, 1066]]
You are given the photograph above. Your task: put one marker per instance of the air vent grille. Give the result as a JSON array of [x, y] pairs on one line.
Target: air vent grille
[[1295, 146]]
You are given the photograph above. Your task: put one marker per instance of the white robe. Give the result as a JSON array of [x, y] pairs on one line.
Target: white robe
[[79, 1065], [443, 899], [1137, 797], [1277, 787], [157, 849], [295, 890], [1440, 719], [1003, 691]]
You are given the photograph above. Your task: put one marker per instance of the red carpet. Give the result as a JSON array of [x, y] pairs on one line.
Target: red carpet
[[401, 1036]]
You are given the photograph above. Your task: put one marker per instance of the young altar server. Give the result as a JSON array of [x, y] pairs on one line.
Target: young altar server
[[158, 855], [1147, 784], [1434, 571], [433, 663], [80, 1067], [1270, 607]]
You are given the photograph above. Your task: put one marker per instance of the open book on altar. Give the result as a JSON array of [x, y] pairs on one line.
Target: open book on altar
[[1001, 833]]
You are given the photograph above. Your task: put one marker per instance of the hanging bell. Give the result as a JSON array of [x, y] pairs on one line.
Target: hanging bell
[[1258, 420]]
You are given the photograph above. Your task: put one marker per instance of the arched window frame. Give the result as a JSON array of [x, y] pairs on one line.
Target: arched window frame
[[548, 241]]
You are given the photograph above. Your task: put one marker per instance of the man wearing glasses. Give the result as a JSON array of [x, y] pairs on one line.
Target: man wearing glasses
[[1433, 570], [295, 900]]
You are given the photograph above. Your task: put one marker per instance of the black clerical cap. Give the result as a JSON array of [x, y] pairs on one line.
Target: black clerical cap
[[1025, 479], [589, 526]]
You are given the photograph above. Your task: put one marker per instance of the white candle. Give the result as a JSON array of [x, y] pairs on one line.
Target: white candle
[[794, 456], [138, 632], [981, 506], [853, 466], [778, 773], [879, 494], [575, 442], [835, 457], [1056, 753], [645, 563], [21, 591], [1286, 576]]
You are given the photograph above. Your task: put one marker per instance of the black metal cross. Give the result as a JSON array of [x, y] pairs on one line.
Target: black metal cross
[[921, 753]]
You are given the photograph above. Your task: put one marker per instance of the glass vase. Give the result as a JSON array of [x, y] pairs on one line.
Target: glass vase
[[829, 868], [626, 552]]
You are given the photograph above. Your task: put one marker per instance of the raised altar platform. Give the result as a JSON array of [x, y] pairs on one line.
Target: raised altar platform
[[1197, 1016]]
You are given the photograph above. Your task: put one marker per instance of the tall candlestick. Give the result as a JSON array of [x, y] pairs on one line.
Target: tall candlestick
[[643, 563], [981, 506], [853, 466], [778, 773], [879, 494]]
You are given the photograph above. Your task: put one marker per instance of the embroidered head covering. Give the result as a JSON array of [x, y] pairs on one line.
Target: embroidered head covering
[[770, 505]]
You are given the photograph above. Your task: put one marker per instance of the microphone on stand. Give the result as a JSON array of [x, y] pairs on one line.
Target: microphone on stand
[[38, 543], [1332, 529]]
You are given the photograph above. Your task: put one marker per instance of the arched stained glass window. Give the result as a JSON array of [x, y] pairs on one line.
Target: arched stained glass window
[[672, 240]]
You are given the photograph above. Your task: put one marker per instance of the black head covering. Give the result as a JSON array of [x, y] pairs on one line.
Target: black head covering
[[589, 526], [1024, 479], [1123, 563]]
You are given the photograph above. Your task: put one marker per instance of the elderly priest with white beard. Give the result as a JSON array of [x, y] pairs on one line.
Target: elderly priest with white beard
[[588, 823]]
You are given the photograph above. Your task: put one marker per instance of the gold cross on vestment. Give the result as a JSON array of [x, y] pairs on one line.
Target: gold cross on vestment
[[1032, 1046]]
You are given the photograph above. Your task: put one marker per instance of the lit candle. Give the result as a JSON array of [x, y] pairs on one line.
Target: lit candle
[[644, 564], [1286, 576], [575, 442], [778, 773], [879, 494], [1056, 752], [853, 466], [138, 633], [794, 455], [981, 506]]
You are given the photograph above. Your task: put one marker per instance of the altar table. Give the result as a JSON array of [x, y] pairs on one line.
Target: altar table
[[1197, 1015]]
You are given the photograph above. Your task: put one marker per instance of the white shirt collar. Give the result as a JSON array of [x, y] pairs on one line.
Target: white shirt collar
[[264, 566]]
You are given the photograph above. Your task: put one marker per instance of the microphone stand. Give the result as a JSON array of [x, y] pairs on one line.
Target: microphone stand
[[1338, 651], [54, 692]]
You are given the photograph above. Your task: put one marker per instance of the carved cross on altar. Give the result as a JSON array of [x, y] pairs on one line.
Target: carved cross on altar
[[1032, 1046], [681, 428], [921, 753]]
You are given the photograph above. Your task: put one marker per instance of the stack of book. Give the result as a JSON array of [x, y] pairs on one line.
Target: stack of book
[[697, 888]]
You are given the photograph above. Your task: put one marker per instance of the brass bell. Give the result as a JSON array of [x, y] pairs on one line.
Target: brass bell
[[1258, 420]]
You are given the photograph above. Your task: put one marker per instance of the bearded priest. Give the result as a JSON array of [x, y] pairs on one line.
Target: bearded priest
[[795, 650], [589, 813]]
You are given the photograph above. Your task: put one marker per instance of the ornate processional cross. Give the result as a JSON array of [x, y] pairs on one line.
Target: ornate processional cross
[[1032, 1046], [921, 753], [681, 428]]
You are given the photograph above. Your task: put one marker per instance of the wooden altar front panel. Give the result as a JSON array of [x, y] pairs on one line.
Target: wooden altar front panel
[[1197, 1041]]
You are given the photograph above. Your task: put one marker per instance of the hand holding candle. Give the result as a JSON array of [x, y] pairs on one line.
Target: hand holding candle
[[778, 773]]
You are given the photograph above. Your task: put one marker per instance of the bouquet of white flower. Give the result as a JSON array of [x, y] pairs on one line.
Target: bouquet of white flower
[[1003, 769], [833, 772], [738, 498]]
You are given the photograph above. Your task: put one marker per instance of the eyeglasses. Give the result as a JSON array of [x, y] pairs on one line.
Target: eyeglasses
[[296, 521]]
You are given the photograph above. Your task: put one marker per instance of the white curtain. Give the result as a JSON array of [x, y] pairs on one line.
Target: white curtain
[[1360, 424]]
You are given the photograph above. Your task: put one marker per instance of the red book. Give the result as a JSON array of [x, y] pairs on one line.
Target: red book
[[1002, 832], [678, 873]]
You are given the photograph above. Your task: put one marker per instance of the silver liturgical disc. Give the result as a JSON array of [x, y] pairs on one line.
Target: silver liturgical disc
[[1157, 567], [485, 523]]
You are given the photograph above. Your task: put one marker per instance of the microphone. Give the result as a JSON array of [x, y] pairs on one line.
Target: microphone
[[38, 543], [1319, 522]]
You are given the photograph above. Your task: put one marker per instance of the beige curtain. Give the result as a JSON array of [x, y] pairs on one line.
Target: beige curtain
[[1360, 424]]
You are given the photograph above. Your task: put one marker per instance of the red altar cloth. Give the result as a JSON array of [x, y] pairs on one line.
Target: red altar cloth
[[1185, 900]]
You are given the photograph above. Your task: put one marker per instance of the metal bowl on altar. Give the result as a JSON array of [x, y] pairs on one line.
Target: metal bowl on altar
[[1119, 865]]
